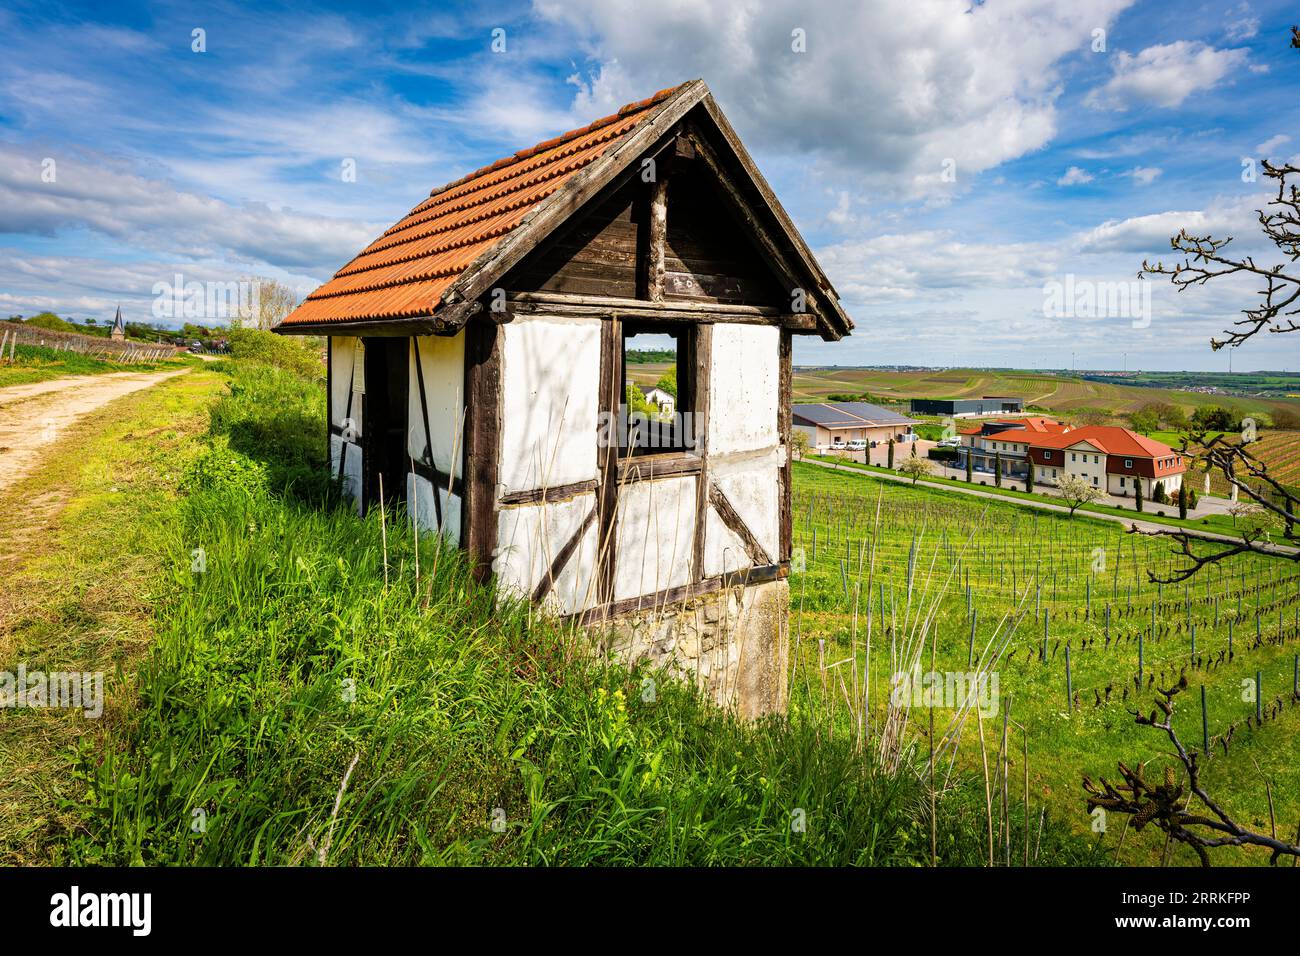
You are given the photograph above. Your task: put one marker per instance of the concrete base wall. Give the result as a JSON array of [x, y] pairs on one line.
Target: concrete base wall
[[732, 644]]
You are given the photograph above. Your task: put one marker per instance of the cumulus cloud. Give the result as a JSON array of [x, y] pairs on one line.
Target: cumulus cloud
[[1149, 234], [87, 287], [930, 264], [887, 90], [1075, 176], [1144, 175], [1165, 74], [150, 213]]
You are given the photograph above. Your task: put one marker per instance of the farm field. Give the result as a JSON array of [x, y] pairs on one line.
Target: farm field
[[893, 574], [1055, 393], [1278, 449]]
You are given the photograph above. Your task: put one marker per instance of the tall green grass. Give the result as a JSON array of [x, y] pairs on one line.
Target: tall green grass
[[475, 732]]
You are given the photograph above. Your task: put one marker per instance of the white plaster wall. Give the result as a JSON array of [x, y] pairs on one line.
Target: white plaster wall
[[753, 486], [419, 498], [528, 539], [550, 374], [343, 361], [744, 385], [1089, 464], [343, 355], [655, 538], [442, 362], [351, 466]]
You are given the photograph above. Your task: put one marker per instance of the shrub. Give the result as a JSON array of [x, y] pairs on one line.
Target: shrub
[[48, 320], [281, 351]]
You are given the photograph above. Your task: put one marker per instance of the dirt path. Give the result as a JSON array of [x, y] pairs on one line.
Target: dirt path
[[32, 415]]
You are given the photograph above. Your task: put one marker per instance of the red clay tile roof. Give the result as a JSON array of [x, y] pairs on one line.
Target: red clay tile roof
[[403, 273], [1037, 423], [1112, 439]]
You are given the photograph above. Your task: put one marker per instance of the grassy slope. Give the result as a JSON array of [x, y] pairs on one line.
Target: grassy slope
[[32, 363], [80, 558], [289, 656], [1054, 392], [1218, 524], [841, 507]]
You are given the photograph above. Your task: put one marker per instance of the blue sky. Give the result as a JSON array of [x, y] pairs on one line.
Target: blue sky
[[946, 161]]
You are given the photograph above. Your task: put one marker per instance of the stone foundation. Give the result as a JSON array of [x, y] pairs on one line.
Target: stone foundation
[[733, 644]]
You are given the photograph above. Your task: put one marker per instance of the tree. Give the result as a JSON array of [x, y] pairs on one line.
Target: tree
[[917, 468], [1090, 416], [1214, 418], [1244, 510], [1077, 492], [1137, 493], [891, 453], [50, 321], [1206, 259], [1158, 494], [269, 302], [997, 469], [638, 403], [1182, 502], [799, 443], [668, 382], [1029, 477], [970, 466], [1145, 420], [1286, 419]]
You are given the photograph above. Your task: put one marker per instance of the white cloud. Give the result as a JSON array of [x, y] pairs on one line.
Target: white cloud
[[1149, 234], [886, 90], [1144, 175], [1165, 74], [929, 264], [1245, 26], [1074, 176], [151, 213], [1272, 145]]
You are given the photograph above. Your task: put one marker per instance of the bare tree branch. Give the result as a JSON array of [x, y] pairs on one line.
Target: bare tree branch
[[1204, 260], [1165, 804]]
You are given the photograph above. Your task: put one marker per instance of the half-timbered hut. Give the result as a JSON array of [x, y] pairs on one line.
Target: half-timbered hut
[[477, 378]]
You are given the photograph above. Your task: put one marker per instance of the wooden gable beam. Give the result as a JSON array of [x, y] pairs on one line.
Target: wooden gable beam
[[842, 324], [750, 222], [656, 254], [650, 136]]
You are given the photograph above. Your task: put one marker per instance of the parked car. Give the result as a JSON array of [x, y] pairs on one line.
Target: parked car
[[950, 443], [857, 444]]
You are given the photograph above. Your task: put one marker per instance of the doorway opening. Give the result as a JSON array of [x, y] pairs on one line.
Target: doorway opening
[[388, 382]]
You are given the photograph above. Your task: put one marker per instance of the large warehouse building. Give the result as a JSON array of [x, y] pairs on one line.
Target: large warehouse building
[[988, 405]]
